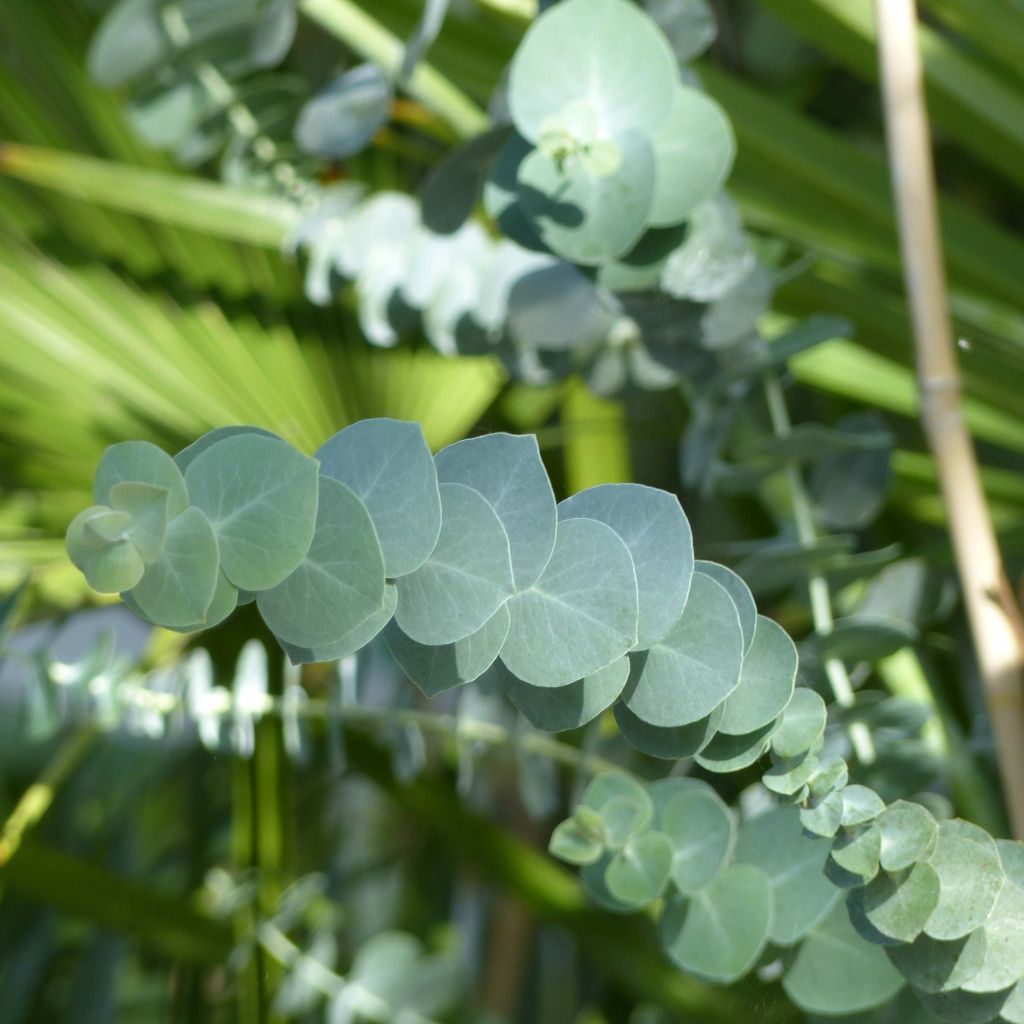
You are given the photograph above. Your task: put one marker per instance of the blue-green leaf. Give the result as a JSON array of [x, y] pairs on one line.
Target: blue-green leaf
[[140, 462], [671, 743], [702, 830], [388, 464], [177, 589], [147, 506], [357, 638], [693, 153], [467, 577], [581, 615], [339, 584], [584, 214], [261, 496], [766, 680], [435, 669], [606, 53], [558, 708], [720, 932], [507, 470], [657, 534], [740, 593], [686, 675], [835, 971], [794, 864], [343, 117]]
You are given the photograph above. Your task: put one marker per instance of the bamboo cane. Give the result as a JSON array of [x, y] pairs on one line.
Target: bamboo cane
[[995, 619]]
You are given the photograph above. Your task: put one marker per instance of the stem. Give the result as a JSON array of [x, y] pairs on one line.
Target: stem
[[244, 922], [220, 703], [817, 585], [39, 797], [329, 983], [358, 30], [994, 617]]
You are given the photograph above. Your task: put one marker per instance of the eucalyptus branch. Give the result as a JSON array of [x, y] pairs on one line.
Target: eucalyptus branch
[[241, 117], [817, 585], [329, 983], [353, 26], [220, 704], [995, 619]]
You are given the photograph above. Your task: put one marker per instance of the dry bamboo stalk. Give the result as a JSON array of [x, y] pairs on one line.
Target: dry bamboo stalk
[[996, 624]]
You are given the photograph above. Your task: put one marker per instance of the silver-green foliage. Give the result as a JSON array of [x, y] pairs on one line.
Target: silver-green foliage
[[865, 897], [462, 560]]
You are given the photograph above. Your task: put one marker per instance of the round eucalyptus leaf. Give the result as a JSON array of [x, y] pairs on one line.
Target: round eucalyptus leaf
[[612, 785], [849, 488], [623, 804], [109, 565], [146, 504], [702, 831], [466, 578], [933, 966], [578, 840], [715, 257], [671, 743], [787, 778], [823, 817], [435, 669], [725, 754], [1012, 1011], [558, 708], [338, 585], [1011, 855], [130, 42], [860, 805], [836, 971], [342, 118], [592, 878], [604, 52], [970, 874], [638, 872], [655, 530], [794, 863], [357, 638], [556, 307], [502, 196], [388, 464], [261, 496], [720, 931], [451, 189], [177, 589], [803, 722], [746, 608], [581, 614], [508, 471], [857, 851], [693, 152], [187, 455], [1004, 943], [584, 216], [165, 116], [766, 680], [686, 675], [689, 25], [222, 604], [144, 463], [639, 270], [965, 1007], [909, 833], [899, 905]]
